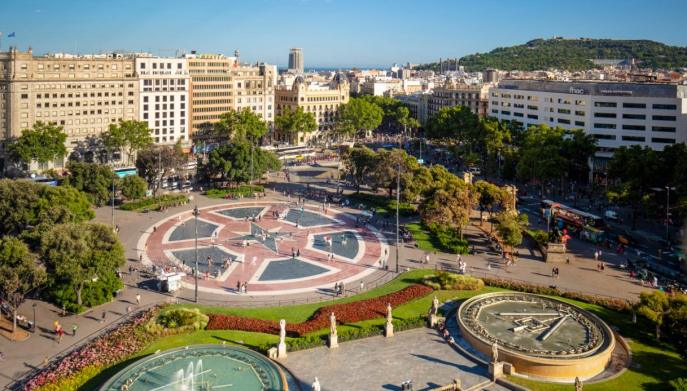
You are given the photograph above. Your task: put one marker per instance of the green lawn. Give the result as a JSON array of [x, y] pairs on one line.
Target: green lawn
[[654, 364], [423, 238], [301, 313]]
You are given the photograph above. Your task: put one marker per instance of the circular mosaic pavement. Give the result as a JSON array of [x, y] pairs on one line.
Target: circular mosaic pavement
[[275, 248]]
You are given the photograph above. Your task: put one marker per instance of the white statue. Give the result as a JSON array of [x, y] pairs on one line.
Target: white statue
[[435, 306], [578, 384], [282, 331], [495, 352], [332, 324], [389, 317], [316, 385]]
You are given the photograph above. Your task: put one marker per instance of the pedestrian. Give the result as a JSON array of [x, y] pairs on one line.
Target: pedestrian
[[298, 252], [600, 254], [596, 255], [238, 286], [362, 285], [553, 271], [128, 309], [138, 299], [567, 260], [336, 288], [74, 328], [103, 316], [426, 258]]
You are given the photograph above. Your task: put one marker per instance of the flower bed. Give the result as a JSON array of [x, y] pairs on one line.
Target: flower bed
[[345, 313], [103, 351]]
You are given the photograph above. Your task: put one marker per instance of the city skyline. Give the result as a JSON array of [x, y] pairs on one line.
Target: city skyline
[[376, 33]]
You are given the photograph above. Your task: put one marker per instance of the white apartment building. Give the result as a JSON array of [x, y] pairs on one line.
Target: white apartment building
[[164, 98], [617, 114], [254, 89]]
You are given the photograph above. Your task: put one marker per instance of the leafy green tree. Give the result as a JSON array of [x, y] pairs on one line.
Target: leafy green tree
[[577, 148], [292, 123], [676, 323], [540, 156], [384, 173], [358, 116], [129, 136], [232, 162], [27, 208], [490, 196], [19, 274], [509, 227], [448, 206], [93, 179], [134, 187], [455, 123], [390, 109], [654, 306], [77, 255], [359, 163], [243, 124], [158, 162], [42, 143]]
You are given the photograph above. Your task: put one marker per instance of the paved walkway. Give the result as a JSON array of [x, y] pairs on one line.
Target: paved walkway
[[379, 363], [22, 357]]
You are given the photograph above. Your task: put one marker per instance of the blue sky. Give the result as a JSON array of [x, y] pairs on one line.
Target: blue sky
[[331, 32]]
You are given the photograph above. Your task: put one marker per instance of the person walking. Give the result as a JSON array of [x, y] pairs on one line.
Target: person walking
[[103, 316], [74, 328], [362, 285], [138, 299]]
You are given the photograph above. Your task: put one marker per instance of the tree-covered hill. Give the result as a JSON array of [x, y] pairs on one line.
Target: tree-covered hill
[[573, 54]]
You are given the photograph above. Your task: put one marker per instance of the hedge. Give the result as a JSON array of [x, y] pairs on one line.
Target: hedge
[[242, 191], [155, 203]]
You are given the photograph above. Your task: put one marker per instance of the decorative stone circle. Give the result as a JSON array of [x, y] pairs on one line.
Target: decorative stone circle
[[540, 336]]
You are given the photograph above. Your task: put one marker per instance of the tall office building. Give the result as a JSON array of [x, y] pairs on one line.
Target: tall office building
[[616, 114], [296, 61], [211, 87], [83, 94]]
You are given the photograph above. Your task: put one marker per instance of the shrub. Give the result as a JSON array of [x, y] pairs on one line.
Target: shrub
[[242, 191], [155, 203], [134, 187], [452, 281], [345, 313], [448, 239], [539, 236], [177, 320]]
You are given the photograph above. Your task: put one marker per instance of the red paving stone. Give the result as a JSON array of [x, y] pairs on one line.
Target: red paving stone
[[346, 270]]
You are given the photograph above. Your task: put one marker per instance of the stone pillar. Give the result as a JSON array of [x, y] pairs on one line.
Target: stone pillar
[[333, 341], [495, 370], [281, 350]]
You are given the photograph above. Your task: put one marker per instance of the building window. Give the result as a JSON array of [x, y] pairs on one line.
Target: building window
[[532, 116], [605, 104], [634, 105], [634, 116], [579, 123], [604, 115], [663, 129], [564, 121], [604, 126], [663, 118], [604, 137], [662, 140], [659, 106], [634, 127], [634, 138]]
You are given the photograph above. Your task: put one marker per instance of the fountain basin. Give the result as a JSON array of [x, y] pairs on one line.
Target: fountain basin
[[200, 367]]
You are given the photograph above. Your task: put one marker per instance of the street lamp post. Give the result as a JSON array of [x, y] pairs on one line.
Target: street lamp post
[[33, 327], [667, 222], [196, 212], [398, 199], [113, 202]]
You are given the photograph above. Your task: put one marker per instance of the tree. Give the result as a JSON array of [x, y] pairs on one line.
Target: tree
[[134, 187], [27, 208], [654, 306], [19, 274], [509, 226], [292, 123], [243, 124], [42, 143], [676, 322], [448, 205], [453, 123], [93, 179], [359, 163], [578, 147], [490, 196], [358, 115], [232, 162], [158, 162], [130, 135], [80, 254], [540, 155], [384, 173]]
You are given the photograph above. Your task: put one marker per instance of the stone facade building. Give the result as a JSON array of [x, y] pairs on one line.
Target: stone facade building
[[83, 94], [457, 94], [322, 100]]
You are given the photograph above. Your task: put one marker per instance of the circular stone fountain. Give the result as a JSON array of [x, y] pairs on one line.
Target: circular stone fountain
[[200, 367], [539, 336]]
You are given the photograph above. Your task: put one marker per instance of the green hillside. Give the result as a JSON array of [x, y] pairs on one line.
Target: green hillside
[[573, 54]]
